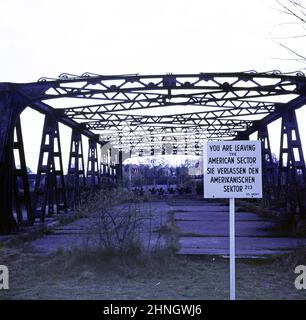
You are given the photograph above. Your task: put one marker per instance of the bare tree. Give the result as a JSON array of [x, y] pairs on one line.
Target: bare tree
[[295, 10]]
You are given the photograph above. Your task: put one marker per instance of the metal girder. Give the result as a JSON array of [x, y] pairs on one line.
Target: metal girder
[[141, 87], [143, 111], [174, 150], [76, 180], [291, 169], [50, 191], [268, 167], [226, 108], [11, 105], [174, 122], [14, 98], [133, 101], [93, 172], [119, 166], [61, 117], [280, 110], [22, 197], [146, 143]]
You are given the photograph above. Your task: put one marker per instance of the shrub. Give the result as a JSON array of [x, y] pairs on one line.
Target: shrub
[[121, 221]]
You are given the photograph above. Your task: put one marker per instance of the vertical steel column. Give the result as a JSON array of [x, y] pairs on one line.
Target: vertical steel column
[[93, 176], [186, 145], [291, 171], [152, 145], [174, 146], [268, 172], [196, 146], [109, 169], [21, 183], [110, 166], [11, 105], [163, 148], [119, 167], [76, 180], [49, 184], [102, 169], [102, 165]]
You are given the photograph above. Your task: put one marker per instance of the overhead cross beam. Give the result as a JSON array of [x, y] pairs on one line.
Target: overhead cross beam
[[143, 111], [116, 105], [133, 101]]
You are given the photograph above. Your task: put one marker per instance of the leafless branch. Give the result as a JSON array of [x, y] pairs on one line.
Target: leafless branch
[[291, 50], [297, 11], [300, 14]]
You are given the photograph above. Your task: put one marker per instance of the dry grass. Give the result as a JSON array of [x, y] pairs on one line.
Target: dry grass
[[98, 274]]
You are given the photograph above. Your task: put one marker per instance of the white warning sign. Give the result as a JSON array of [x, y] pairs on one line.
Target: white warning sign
[[232, 169]]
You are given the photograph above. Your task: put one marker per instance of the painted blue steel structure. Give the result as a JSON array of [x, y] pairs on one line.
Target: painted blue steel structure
[[143, 114]]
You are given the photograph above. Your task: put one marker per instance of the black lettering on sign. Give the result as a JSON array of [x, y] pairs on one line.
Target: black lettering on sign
[[221, 160], [245, 147], [246, 160], [232, 188], [214, 147], [210, 171], [253, 170], [227, 147]]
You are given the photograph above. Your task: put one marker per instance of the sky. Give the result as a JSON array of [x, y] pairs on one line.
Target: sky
[[50, 37]]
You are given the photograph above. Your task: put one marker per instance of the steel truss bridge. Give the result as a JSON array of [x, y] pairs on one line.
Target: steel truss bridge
[[141, 115]]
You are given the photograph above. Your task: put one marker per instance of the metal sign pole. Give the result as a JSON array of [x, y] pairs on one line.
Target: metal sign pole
[[232, 247], [232, 169], [130, 177]]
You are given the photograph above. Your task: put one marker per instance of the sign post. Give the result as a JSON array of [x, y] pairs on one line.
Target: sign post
[[232, 249], [232, 169]]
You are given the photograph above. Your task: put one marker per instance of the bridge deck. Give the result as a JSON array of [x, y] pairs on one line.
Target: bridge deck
[[204, 230]]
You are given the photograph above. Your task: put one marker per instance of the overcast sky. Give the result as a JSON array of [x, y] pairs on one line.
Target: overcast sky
[[49, 37]]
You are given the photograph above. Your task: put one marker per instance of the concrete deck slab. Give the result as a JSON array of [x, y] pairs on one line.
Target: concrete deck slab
[[78, 233], [204, 230], [215, 215], [221, 228]]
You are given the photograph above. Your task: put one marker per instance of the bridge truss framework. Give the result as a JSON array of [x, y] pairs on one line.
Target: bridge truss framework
[[141, 115]]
